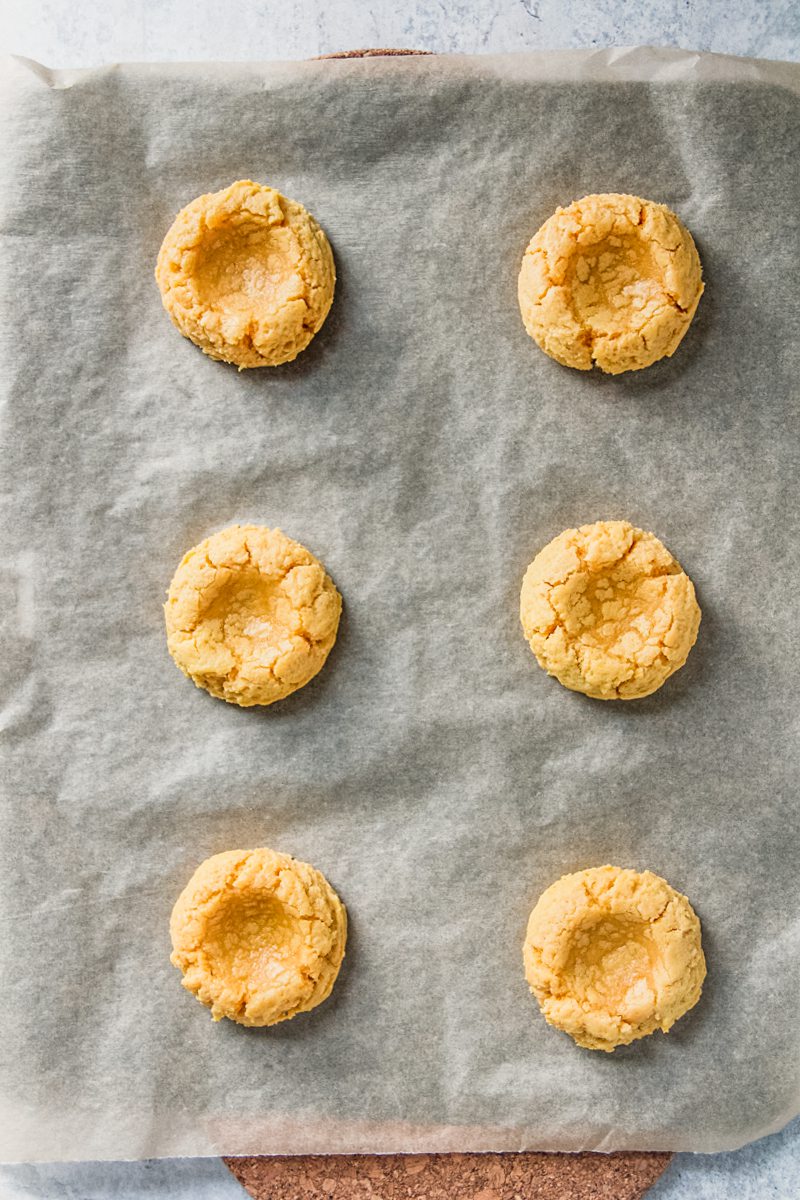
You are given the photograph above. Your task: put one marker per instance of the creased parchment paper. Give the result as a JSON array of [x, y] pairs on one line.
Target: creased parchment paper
[[424, 449]]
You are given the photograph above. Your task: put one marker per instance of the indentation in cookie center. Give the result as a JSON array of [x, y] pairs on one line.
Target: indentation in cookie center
[[614, 284], [607, 609], [613, 963], [252, 607], [250, 938], [248, 269]]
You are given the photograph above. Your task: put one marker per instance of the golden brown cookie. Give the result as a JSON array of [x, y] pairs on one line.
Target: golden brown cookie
[[251, 615], [612, 955], [609, 611], [612, 281], [247, 275], [258, 936]]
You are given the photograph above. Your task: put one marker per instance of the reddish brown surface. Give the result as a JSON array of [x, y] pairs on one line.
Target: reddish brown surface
[[370, 53], [447, 1176], [450, 1176]]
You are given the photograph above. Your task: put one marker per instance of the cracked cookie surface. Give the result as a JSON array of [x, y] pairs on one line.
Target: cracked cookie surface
[[247, 275], [612, 955], [611, 281], [259, 936], [608, 611], [251, 615]]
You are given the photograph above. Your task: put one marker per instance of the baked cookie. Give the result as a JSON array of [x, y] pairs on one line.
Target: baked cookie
[[611, 280], [258, 936], [251, 615], [247, 275], [612, 955], [609, 611]]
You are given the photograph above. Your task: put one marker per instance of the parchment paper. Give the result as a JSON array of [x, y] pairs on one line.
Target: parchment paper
[[425, 449]]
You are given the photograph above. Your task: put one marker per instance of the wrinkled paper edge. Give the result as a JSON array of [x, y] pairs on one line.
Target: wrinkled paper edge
[[618, 64]]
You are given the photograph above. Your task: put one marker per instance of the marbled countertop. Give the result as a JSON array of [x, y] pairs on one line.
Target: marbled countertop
[[87, 32]]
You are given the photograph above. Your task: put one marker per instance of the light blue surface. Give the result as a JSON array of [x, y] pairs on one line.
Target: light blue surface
[[765, 1170], [71, 33], [76, 33]]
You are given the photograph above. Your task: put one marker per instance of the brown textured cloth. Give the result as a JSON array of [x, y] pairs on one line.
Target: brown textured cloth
[[450, 1176]]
